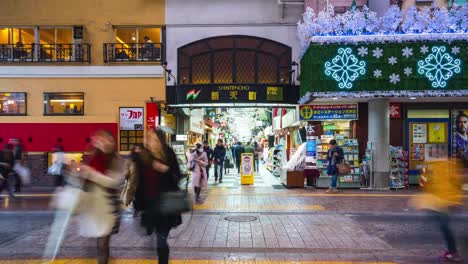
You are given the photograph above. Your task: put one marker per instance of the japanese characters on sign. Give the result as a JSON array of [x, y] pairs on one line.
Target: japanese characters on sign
[[131, 118], [395, 110], [198, 94], [328, 112]]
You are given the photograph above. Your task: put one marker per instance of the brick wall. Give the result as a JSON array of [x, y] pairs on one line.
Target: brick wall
[[37, 162]]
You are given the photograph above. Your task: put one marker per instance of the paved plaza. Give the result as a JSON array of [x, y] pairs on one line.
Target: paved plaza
[[264, 223]]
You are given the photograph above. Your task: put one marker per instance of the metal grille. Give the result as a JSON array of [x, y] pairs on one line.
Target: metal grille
[[223, 67], [234, 59], [133, 52], [45, 53], [201, 72]]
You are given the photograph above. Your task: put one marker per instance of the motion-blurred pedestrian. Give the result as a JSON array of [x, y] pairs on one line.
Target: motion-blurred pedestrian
[[103, 178], [6, 169], [443, 194], [160, 176], [134, 171], [56, 169]]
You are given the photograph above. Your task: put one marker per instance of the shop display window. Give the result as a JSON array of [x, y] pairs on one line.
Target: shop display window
[[63, 103], [13, 103]]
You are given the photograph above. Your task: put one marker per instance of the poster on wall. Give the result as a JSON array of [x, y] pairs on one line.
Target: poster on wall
[[417, 152], [419, 133], [131, 118], [437, 132], [197, 123], [460, 134], [130, 127]]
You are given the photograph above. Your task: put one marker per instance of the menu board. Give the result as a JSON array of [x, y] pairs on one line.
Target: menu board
[[419, 133], [417, 152]]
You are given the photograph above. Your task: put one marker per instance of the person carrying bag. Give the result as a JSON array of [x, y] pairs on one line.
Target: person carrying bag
[[335, 158]]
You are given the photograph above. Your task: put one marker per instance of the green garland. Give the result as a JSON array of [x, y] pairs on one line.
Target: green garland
[[395, 68]]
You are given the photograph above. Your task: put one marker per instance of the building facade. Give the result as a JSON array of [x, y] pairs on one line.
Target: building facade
[[67, 69]]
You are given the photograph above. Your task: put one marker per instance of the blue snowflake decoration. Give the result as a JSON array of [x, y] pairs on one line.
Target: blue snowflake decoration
[[439, 67], [345, 68]]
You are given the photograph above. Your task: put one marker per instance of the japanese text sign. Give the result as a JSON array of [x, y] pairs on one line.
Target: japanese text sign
[[131, 118], [328, 112]]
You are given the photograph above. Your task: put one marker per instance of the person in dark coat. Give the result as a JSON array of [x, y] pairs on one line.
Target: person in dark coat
[[239, 150], [7, 162], [219, 154], [335, 156], [160, 174], [209, 153]]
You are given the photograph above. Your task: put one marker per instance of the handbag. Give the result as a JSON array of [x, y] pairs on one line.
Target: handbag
[[174, 203], [343, 168], [192, 165]]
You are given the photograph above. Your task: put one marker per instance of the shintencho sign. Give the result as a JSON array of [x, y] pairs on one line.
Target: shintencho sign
[[232, 93]]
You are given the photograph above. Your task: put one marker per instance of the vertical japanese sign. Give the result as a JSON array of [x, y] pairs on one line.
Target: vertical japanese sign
[[130, 127], [152, 115], [311, 147], [395, 110]]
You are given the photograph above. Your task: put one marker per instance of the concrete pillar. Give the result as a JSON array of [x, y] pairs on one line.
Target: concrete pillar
[[379, 6], [379, 136]]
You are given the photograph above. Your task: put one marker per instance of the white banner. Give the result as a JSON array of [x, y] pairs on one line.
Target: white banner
[[131, 118], [197, 124]]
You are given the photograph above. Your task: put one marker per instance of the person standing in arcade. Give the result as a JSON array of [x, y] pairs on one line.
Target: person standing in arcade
[[209, 154]]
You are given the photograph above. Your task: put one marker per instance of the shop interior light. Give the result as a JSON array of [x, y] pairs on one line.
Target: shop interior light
[[335, 98], [66, 100], [412, 98]]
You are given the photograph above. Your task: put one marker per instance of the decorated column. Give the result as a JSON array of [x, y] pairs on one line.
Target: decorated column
[[379, 136]]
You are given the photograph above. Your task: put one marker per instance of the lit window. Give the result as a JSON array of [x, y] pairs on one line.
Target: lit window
[[12, 103], [137, 43], [63, 103]]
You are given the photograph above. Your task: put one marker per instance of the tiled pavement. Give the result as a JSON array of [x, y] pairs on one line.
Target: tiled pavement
[[147, 261], [291, 226]]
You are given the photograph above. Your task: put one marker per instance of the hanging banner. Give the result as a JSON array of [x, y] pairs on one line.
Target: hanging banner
[[197, 123], [328, 112], [131, 118], [152, 115], [395, 110]]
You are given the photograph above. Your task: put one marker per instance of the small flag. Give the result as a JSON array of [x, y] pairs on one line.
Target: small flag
[[192, 94]]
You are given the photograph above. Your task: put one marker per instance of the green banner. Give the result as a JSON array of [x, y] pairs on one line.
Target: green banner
[[408, 66]]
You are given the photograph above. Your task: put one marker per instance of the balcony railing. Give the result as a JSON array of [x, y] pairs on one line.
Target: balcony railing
[[133, 52], [45, 53]]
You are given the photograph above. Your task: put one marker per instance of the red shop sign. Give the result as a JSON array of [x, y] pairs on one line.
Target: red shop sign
[[152, 115], [395, 110]]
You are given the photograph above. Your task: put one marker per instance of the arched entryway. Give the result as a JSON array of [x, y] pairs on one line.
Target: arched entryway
[[234, 59]]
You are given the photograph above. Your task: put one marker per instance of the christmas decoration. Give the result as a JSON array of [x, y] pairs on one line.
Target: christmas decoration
[[385, 67], [345, 68], [364, 26], [439, 67]]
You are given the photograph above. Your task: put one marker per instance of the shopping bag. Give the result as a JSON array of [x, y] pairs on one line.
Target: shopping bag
[[343, 168], [69, 199], [23, 172], [55, 169]]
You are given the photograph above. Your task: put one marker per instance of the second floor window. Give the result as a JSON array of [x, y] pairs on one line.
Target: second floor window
[[136, 44], [63, 103], [38, 43]]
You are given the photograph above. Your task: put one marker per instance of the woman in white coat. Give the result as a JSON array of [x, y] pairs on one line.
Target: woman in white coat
[[199, 177], [103, 177]]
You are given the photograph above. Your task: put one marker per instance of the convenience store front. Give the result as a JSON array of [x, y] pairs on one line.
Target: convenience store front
[[426, 79]]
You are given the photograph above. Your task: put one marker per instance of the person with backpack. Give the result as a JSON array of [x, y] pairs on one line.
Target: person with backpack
[[335, 156]]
